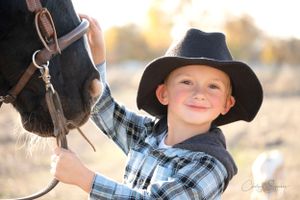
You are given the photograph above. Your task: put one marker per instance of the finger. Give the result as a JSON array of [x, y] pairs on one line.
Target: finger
[[87, 17], [69, 150], [83, 16], [95, 24], [62, 152], [93, 21]]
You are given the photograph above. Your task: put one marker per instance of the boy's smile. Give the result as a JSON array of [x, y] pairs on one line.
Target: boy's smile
[[196, 95]]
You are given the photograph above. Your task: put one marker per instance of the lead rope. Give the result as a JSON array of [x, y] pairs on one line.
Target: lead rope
[[58, 120], [59, 123]]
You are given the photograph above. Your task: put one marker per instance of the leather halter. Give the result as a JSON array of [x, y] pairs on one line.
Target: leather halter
[[43, 56], [52, 46], [48, 52]]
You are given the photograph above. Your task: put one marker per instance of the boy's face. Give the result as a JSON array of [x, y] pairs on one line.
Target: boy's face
[[196, 94]]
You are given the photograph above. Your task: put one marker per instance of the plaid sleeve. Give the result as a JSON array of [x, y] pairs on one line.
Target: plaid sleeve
[[120, 124], [203, 179]]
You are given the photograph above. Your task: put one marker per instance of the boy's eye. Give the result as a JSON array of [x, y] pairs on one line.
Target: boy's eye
[[213, 86], [186, 82]]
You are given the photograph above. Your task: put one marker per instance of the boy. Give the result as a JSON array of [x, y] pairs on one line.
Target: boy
[[181, 154]]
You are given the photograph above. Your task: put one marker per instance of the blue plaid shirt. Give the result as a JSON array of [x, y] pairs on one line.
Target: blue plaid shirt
[[151, 172]]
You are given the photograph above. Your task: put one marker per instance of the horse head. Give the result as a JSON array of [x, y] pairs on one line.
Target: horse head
[[72, 72]]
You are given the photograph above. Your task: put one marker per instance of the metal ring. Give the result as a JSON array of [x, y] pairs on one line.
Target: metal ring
[[34, 62]]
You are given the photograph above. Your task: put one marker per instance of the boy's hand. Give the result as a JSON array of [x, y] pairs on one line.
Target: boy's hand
[[67, 168], [96, 39]]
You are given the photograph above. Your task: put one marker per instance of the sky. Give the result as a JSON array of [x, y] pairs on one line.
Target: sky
[[278, 18]]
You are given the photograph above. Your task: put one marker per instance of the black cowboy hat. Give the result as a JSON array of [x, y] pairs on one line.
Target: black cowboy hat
[[201, 48]]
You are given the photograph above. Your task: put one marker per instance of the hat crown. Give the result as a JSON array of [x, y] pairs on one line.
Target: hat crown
[[199, 44]]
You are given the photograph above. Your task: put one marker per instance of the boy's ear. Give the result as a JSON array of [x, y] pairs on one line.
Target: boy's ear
[[161, 94], [229, 104]]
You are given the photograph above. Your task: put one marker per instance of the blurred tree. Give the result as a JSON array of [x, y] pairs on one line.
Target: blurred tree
[[248, 43], [290, 50], [140, 43], [270, 54], [157, 29], [276, 52], [243, 38], [125, 43], [150, 40]]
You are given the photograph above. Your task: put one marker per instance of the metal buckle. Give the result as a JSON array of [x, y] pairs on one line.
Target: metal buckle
[[45, 75], [34, 62]]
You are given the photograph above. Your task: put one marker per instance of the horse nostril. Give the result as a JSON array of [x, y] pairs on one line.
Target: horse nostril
[[95, 88]]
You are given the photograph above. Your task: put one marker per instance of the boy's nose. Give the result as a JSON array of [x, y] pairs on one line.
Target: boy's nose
[[199, 93]]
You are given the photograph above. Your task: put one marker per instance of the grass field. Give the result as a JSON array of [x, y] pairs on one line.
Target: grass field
[[24, 170]]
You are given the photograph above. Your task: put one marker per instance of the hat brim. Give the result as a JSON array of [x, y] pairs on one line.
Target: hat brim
[[247, 89]]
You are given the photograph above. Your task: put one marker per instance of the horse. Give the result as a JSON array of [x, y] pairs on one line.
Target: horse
[[46, 68], [73, 74]]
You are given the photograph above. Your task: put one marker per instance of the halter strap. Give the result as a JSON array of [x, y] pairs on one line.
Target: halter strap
[[42, 57]]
